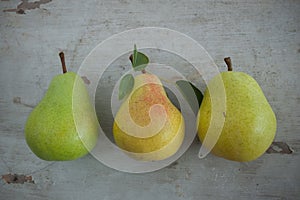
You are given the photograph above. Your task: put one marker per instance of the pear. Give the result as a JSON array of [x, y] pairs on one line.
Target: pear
[[148, 126], [250, 123], [63, 126]]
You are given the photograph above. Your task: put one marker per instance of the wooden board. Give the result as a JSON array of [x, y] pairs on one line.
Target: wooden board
[[261, 37]]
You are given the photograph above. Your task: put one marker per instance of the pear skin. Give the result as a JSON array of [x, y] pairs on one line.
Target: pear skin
[[63, 126], [148, 126], [250, 123]]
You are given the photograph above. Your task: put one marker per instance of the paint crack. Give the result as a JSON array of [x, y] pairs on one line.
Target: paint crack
[[25, 5], [16, 178], [279, 147]]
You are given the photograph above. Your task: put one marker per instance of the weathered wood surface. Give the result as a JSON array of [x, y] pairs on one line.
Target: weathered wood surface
[[262, 37]]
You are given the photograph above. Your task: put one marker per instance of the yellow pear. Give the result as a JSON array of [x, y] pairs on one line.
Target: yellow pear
[[250, 123], [148, 126]]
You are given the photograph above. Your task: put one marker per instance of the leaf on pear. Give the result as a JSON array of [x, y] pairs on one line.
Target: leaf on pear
[[138, 60], [126, 86], [191, 94]]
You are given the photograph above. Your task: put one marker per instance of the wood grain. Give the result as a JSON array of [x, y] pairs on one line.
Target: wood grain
[[261, 37]]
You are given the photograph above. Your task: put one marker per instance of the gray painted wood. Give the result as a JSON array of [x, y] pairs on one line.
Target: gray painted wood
[[262, 38]]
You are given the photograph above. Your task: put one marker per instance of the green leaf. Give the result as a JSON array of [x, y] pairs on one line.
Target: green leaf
[[126, 86], [138, 60], [191, 94], [135, 55]]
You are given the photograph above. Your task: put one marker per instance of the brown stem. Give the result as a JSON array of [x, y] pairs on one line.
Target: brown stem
[[62, 60], [228, 63]]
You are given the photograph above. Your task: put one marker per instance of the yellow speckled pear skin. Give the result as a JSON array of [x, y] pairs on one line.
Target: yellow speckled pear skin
[[148, 91], [250, 123], [63, 126]]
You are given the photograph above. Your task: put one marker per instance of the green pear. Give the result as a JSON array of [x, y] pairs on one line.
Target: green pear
[[63, 126], [250, 123], [148, 126]]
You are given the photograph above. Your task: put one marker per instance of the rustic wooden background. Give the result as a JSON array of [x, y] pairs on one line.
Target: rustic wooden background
[[262, 37]]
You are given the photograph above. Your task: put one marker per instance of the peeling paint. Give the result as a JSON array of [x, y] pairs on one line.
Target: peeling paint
[[16, 178], [17, 100], [25, 5], [279, 147], [86, 80]]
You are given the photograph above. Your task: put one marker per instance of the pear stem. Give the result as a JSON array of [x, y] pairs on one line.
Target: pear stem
[[62, 60], [228, 63]]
